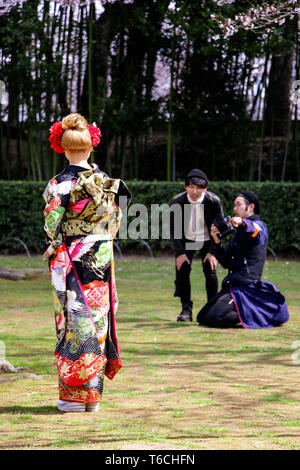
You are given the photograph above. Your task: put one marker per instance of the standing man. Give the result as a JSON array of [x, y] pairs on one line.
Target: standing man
[[191, 233]]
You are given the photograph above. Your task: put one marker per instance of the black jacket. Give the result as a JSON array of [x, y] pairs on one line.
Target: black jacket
[[212, 208]]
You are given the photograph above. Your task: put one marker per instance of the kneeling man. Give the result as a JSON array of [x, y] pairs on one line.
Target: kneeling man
[[244, 298]]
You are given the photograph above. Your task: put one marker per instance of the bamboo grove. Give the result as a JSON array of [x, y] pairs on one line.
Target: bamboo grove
[[166, 96]]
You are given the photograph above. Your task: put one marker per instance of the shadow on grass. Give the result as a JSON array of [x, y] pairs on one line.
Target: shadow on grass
[[28, 410], [159, 324]]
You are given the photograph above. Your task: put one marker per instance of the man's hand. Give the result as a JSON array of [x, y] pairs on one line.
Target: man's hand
[[214, 234], [212, 261], [180, 260], [236, 221]]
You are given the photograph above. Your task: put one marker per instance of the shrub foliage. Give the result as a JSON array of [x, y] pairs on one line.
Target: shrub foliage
[[21, 210]]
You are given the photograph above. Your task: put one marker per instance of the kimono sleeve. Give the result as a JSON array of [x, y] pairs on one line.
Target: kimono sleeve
[[216, 211], [255, 229], [56, 196], [123, 196], [222, 254]]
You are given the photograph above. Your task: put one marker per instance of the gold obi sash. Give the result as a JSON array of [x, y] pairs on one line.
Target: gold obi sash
[[92, 208]]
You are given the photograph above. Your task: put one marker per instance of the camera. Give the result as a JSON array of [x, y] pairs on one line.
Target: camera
[[224, 226]]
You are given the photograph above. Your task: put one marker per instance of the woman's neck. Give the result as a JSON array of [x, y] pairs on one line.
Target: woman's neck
[[82, 163], [78, 158]]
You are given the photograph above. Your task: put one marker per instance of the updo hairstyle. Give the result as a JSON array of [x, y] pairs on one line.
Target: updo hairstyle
[[76, 135]]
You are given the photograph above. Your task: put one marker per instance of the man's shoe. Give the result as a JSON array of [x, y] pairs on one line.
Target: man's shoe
[[185, 315]]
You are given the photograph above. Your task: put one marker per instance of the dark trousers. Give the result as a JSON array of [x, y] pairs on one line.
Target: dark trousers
[[182, 282], [219, 313]]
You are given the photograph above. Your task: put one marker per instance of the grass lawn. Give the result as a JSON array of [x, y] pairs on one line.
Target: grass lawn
[[182, 386]]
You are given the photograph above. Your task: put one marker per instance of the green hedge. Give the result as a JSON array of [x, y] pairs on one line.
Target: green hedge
[[21, 205]]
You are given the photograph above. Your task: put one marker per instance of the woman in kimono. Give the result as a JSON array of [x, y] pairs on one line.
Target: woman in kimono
[[82, 216]]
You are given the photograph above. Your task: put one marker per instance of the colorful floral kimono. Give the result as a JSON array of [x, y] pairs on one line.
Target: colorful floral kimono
[[81, 219]]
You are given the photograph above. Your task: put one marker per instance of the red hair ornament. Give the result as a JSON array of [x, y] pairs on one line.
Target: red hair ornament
[[56, 132]]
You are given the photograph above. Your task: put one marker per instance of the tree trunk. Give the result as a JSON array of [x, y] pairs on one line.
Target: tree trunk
[[12, 275], [278, 113]]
